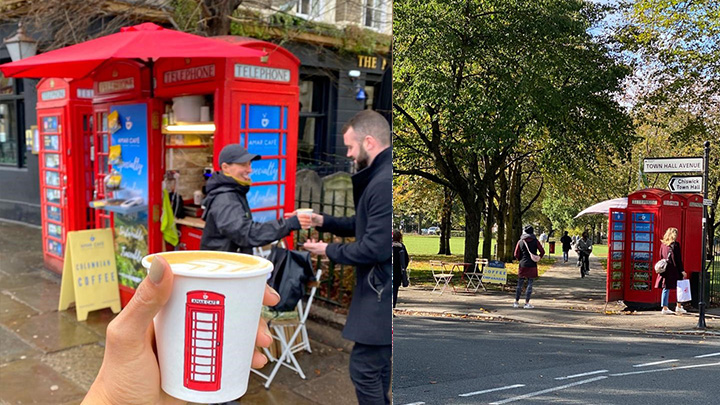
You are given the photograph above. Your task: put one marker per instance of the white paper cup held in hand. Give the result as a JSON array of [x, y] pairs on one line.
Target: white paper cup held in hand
[[305, 212], [206, 332]]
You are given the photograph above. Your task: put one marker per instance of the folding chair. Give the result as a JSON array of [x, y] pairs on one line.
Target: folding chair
[[289, 347], [441, 275], [475, 277]]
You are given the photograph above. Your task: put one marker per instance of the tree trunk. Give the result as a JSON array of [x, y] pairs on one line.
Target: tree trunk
[[502, 216], [489, 222], [218, 23], [472, 232], [514, 224], [445, 224]]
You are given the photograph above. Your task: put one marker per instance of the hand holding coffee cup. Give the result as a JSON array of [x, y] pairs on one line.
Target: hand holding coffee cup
[[207, 331], [129, 356], [317, 220]]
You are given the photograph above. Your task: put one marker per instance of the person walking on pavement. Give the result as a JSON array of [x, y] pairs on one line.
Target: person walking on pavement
[[543, 239], [566, 241], [400, 264], [674, 271], [369, 321], [583, 247], [527, 247], [229, 225]]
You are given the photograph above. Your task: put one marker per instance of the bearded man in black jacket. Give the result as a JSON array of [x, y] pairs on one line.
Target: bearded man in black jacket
[[369, 322]]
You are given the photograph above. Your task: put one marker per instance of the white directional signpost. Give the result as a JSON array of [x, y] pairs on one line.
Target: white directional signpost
[[686, 184], [673, 165]]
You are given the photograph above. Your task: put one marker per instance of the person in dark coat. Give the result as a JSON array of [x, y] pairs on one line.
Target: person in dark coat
[[229, 226], [527, 269], [566, 242], [369, 321], [670, 251], [400, 263]]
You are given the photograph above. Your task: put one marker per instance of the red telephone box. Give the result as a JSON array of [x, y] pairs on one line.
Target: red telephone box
[[692, 235], [634, 244], [128, 181], [65, 134], [254, 102], [204, 327], [126, 147]]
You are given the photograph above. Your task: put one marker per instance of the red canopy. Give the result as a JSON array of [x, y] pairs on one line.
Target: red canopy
[[147, 42]]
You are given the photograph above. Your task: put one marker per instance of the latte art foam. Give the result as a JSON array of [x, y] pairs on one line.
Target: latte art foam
[[213, 265]]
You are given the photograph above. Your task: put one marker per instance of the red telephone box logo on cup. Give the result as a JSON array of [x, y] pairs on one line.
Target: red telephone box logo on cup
[[204, 324]]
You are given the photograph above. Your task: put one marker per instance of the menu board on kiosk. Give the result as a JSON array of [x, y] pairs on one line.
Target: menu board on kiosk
[[131, 218], [616, 256]]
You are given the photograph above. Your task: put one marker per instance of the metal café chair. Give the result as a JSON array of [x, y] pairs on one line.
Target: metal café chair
[[475, 277], [290, 343], [441, 275]]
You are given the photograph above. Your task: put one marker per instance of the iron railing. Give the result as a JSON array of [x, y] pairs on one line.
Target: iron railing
[[714, 297], [337, 280]]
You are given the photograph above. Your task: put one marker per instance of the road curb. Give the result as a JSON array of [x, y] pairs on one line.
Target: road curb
[[503, 318]]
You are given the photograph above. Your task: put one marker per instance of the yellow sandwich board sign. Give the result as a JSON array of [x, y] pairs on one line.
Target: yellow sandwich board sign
[[495, 273], [89, 275]]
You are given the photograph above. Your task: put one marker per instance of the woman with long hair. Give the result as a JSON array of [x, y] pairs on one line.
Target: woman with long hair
[[667, 280], [527, 246]]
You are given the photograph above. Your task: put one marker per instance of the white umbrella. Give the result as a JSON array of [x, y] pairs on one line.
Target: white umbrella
[[604, 207]]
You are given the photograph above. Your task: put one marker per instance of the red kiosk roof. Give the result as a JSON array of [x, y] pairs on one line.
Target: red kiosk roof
[[147, 42]]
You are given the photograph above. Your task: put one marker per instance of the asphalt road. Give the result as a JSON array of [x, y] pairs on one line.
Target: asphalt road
[[455, 361]]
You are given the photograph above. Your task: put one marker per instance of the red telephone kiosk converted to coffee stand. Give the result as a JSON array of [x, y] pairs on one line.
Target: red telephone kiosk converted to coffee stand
[[128, 169], [64, 114], [634, 243], [198, 106]]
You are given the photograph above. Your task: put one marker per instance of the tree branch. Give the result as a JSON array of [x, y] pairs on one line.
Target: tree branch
[[426, 175]]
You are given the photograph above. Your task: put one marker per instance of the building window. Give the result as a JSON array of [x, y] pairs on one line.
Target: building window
[[374, 14], [12, 123], [308, 8]]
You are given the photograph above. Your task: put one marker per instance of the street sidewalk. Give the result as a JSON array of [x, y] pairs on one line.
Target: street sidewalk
[[560, 296], [48, 357]]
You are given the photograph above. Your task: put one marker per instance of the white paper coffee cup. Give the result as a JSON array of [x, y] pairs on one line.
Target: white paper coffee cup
[[304, 211], [206, 332]]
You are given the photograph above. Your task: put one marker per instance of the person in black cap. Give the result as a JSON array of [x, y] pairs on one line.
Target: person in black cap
[[529, 251], [229, 225]]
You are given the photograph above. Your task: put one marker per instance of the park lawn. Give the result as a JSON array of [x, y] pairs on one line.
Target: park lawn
[[429, 245], [422, 249], [600, 250]]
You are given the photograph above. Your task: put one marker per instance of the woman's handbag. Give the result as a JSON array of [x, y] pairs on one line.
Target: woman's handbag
[[534, 257], [661, 264]]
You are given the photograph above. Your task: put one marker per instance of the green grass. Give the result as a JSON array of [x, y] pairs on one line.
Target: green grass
[[429, 245], [600, 250]]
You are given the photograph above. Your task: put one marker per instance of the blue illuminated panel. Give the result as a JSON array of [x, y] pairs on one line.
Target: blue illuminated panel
[[264, 216], [641, 251], [262, 196], [263, 130], [264, 170]]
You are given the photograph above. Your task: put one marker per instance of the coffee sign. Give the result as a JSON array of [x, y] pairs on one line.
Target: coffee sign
[[89, 273]]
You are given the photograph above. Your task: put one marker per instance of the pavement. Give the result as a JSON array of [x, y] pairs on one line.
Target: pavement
[[48, 357], [560, 296]]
